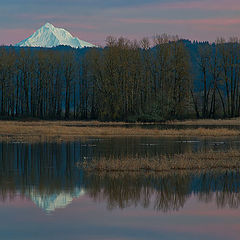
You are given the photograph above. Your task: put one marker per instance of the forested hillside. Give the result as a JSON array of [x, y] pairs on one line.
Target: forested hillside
[[127, 80]]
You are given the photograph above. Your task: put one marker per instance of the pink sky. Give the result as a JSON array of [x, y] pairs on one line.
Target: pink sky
[[93, 22]]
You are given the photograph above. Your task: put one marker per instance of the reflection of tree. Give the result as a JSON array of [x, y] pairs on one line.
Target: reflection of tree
[[223, 187], [166, 192], [226, 187], [47, 167], [172, 192], [230, 199], [169, 192]]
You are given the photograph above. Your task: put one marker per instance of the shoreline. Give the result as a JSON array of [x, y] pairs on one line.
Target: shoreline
[[67, 131], [202, 122]]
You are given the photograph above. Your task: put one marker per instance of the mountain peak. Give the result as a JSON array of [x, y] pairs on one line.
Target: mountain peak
[[49, 36], [48, 25]]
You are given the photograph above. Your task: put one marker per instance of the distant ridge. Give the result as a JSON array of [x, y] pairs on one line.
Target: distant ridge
[[49, 36]]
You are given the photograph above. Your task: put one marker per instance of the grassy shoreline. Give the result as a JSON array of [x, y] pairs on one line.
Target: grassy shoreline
[[210, 122], [179, 162], [220, 122], [67, 131]]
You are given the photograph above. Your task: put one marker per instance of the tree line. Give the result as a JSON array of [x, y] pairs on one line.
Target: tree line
[[126, 80], [219, 66]]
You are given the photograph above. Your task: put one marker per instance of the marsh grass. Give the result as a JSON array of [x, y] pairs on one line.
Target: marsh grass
[[164, 163], [213, 122], [68, 131]]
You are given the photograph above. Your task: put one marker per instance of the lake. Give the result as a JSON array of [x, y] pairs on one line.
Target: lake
[[44, 195]]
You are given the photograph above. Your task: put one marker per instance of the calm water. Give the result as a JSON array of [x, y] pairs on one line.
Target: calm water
[[43, 195]]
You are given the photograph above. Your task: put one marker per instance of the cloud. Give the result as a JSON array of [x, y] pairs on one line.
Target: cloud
[[210, 21], [207, 5], [99, 4]]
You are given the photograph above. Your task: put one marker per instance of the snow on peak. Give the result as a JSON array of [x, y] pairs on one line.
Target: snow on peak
[[48, 25], [49, 36]]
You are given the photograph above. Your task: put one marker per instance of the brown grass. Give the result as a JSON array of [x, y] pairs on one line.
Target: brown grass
[[215, 122], [62, 130], [181, 162], [49, 130]]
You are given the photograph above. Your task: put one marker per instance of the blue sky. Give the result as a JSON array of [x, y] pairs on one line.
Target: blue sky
[[94, 20]]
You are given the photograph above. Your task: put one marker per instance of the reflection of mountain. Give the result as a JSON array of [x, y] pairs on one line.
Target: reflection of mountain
[[50, 202]]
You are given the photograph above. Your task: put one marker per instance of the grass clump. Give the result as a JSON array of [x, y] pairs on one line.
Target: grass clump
[[178, 162]]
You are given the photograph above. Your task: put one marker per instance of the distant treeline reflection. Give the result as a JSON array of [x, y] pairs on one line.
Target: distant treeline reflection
[[51, 169], [165, 192]]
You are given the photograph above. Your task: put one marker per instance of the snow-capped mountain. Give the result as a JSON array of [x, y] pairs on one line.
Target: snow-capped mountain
[[49, 36]]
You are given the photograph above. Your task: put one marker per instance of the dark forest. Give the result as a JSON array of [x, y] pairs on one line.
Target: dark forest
[[125, 81]]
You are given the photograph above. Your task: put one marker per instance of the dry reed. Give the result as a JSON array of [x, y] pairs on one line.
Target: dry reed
[[213, 122], [189, 161], [64, 131]]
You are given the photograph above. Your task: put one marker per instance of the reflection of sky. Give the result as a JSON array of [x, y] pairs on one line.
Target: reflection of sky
[[84, 219], [94, 20]]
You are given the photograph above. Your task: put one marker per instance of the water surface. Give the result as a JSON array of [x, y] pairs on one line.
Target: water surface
[[44, 195]]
